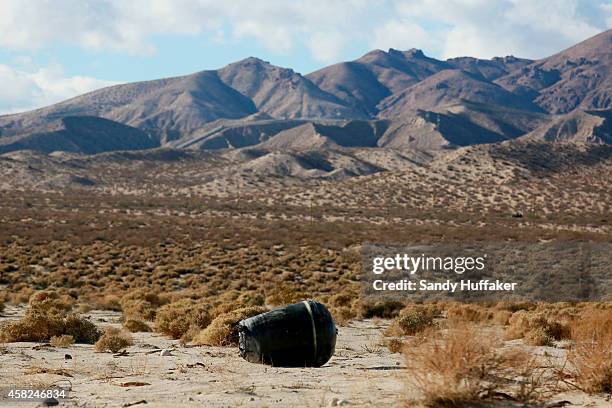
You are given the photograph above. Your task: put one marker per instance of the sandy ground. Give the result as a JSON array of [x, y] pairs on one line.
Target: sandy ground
[[360, 374]]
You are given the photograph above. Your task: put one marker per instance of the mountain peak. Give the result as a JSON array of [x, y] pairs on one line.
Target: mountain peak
[[413, 53]]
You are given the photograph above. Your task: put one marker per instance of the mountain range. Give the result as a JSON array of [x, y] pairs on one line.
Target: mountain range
[[396, 99]]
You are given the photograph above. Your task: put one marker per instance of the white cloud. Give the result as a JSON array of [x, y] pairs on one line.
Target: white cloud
[[402, 35], [25, 90], [484, 28], [326, 46], [526, 28]]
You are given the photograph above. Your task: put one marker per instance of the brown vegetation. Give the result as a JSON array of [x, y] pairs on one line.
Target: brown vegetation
[[62, 341], [114, 340], [538, 328], [136, 326], [177, 318], [47, 316], [222, 331], [591, 355]]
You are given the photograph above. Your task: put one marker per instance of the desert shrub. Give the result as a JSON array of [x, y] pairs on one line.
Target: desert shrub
[[461, 365], [46, 317], [395, 344], [342, 315], [451, 369], [464, 312], [591, 354], [176, 318], [233, 300], [64, 340], [36, 326], [82, 330], [514, 306], [536, 328], [32, 327], [110, 302], [386, 309], [285, 295], [413, 319], [136, 326], [50, 303], [251, 299], [141, 304], [223, 331], [501, 317], [114, 340], [343, 299], [84, 308]]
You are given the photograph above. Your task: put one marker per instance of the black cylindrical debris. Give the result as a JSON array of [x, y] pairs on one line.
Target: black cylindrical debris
[[298, 335]]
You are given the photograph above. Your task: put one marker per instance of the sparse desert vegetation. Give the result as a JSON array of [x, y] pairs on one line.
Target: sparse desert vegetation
[[179, 260]]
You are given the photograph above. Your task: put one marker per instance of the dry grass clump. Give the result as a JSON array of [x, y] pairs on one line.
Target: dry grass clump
[[591, 354], [515, 306], [47, 317], [451, 369], [413, 319], [177, 318], [114, 340], [285, 295], [49, 302], [41, 327], [462, 365], [64, 340], [395, 344], [342, 314], [467, 312], [109, 302], [136, 326], [223, 331], [141, 304], [81, 329], [537, 328], [232, 300], [385, 309]]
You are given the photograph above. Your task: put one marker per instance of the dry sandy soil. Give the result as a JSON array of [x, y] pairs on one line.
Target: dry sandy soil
[[361, 374]]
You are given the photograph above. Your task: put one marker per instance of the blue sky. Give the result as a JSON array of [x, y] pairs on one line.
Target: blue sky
[[52, 50]]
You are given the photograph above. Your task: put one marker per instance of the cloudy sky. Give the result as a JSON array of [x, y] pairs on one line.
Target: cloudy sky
[[51, 50]]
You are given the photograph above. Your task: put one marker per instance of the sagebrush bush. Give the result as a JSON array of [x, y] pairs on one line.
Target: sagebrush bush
[[342, 314], [462, 366], [136, 326], [537, 328], [114, 340], [285, 295], [141, 304], [414, 321], [49, 302], [46, 317], [395, 344], [591, 353], [386, 309], [223, 331], [177, 318], [466, 312]]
